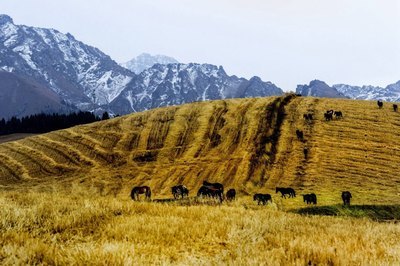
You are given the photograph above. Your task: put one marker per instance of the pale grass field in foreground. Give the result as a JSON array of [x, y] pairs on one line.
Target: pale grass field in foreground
[[83, 228]]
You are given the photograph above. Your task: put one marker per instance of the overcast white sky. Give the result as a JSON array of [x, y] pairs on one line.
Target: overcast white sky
[[288, 42]]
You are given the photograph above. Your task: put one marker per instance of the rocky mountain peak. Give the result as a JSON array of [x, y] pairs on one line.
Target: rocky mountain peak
[[4, 19]]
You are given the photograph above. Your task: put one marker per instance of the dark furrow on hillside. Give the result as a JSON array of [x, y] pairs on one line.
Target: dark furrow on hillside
[[65, 151], [108, 140], [267, 137], [160, 128], [89, 150], [212, 138], [185, 137], [10, 173], [308, 129], [50, 151], [41, 167], [239, 129]]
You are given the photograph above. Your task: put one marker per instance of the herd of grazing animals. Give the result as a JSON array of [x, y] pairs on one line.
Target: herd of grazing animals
[[216, 190]]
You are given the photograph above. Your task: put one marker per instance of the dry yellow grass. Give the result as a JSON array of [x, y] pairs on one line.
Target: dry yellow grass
[[82, 228], [69, 189]]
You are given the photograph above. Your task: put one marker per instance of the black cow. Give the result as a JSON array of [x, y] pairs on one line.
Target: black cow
[[262, 198], [346, 196], [310, 198], [231, 194], [395, 107], [380, 104]]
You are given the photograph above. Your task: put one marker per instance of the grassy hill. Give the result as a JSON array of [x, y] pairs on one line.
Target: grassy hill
[[65, 195], [248, 144]]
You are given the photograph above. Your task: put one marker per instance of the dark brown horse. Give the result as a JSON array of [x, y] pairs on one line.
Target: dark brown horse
[[210, 192], [286, 191], [217, 186], [262, 198], [141, 190]]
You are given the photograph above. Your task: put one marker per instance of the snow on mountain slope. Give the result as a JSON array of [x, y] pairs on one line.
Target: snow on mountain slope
[[172, 84], [145, 61], [81, 74], [390, 93]]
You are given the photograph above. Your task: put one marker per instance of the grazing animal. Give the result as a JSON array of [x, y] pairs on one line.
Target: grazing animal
[[180, 191], [310, 198], [380, 104], [330, 111], [299, 134], [231, 194], [346, 196], [328, 116], [262, 198], [210, 192], [395, 107], [305, 151], [218, 186], [141, 190], [286, 191], [338, 114]]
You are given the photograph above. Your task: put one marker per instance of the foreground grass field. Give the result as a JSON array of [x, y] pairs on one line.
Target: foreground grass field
[[79, 227]]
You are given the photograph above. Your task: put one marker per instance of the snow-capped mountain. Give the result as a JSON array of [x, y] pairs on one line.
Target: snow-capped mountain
[[391, 93], [82, 75], [318, 88], [61, 73], [173, 84], [145, 61]]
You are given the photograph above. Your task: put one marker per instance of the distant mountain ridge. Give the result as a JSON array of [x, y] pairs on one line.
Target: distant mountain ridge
[[145, 61], [81, 76], [173, 84], [390, 93], [317, 88]]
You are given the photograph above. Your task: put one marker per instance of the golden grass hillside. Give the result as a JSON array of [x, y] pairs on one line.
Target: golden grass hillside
[[64, 196], [248, 144]]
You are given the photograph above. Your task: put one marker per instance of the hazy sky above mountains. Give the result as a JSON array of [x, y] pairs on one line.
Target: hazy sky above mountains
[[288, 42]]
